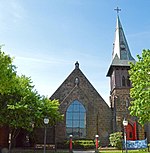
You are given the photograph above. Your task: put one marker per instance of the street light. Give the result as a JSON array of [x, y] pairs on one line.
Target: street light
[[70, 144], [46, 121], [96, 143], [125, 123]]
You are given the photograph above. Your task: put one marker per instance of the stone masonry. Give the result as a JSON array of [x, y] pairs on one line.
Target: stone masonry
[[98, 113]]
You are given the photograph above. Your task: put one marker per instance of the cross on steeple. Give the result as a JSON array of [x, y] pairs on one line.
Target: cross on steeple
[[117, 10]]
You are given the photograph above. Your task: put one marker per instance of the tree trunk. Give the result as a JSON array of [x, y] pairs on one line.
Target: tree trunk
[[13, 134]]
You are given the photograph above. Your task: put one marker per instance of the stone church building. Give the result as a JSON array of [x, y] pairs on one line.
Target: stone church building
[[86, 114], [85, 111]]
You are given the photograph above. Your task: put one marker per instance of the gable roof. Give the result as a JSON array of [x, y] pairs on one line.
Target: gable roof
[[77, 86]]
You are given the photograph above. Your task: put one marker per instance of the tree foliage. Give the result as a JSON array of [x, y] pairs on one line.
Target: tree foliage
[[140, 91], [7, 73], [21, 106], [25, 107]]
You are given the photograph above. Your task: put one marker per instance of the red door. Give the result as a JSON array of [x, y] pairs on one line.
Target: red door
[[130, 132]]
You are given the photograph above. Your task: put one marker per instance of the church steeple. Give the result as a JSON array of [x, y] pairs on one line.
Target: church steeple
[[120, 84], [121, 55], [121, 48]]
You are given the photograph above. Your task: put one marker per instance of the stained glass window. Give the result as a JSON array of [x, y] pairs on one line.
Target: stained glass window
[[76, 120]]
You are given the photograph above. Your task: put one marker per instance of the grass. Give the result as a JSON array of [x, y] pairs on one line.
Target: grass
[[105, 151], [131, 151]]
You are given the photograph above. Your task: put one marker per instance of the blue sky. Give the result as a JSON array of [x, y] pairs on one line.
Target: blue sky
[[47, 37]]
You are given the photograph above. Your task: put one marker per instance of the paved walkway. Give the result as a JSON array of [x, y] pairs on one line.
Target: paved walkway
[[83, 151]]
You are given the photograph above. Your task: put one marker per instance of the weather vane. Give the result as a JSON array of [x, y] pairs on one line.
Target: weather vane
[[117, 10]]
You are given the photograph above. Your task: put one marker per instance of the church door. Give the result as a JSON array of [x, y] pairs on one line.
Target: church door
[[130, 132]]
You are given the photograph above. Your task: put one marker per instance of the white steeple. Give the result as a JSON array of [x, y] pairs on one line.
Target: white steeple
[[121, 55], [120, 46]]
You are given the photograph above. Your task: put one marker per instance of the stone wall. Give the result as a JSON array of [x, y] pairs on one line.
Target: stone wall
[[98, 113]]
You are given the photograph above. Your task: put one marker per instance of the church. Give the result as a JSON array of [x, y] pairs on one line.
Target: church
[[86, 114]]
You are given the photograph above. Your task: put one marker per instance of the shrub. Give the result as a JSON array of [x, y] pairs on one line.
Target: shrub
[[82, 144], [85, 144], [116, 139]]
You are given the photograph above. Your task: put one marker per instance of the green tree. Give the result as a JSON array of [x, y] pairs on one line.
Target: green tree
[[7, 73], [140, 91], [20, 105]]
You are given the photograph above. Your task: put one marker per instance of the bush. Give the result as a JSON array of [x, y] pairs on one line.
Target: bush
[[85, 144], [82, 144], [116, 139]]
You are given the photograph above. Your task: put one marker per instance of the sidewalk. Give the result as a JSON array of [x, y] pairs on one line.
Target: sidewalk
[[83, 151]]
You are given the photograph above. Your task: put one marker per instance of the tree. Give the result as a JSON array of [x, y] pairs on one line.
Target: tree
[[140, 91], [7, 73], [20, 104]]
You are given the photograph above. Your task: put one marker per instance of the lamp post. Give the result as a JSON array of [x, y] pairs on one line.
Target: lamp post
[[96, 143], [125, 123], [70, 144], [46, 121]]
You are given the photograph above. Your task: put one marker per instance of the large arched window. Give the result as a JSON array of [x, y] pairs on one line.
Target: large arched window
[[76, 120]]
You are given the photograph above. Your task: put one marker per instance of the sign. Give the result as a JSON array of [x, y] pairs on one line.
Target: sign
[[137, 144]]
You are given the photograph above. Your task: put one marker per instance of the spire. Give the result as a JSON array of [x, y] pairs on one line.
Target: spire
[[121, 55], [120, 46]]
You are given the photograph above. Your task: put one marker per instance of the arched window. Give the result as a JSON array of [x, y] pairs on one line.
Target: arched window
[[123, 81], [76, 120]]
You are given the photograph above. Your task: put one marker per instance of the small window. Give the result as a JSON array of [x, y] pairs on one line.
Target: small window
[[128, 81], [76, 81], [123, 81]]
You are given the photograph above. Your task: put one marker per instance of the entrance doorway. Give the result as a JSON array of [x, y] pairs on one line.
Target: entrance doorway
[[131, 131]]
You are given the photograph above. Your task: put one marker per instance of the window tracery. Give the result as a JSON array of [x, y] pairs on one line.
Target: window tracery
[[76, 120]]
